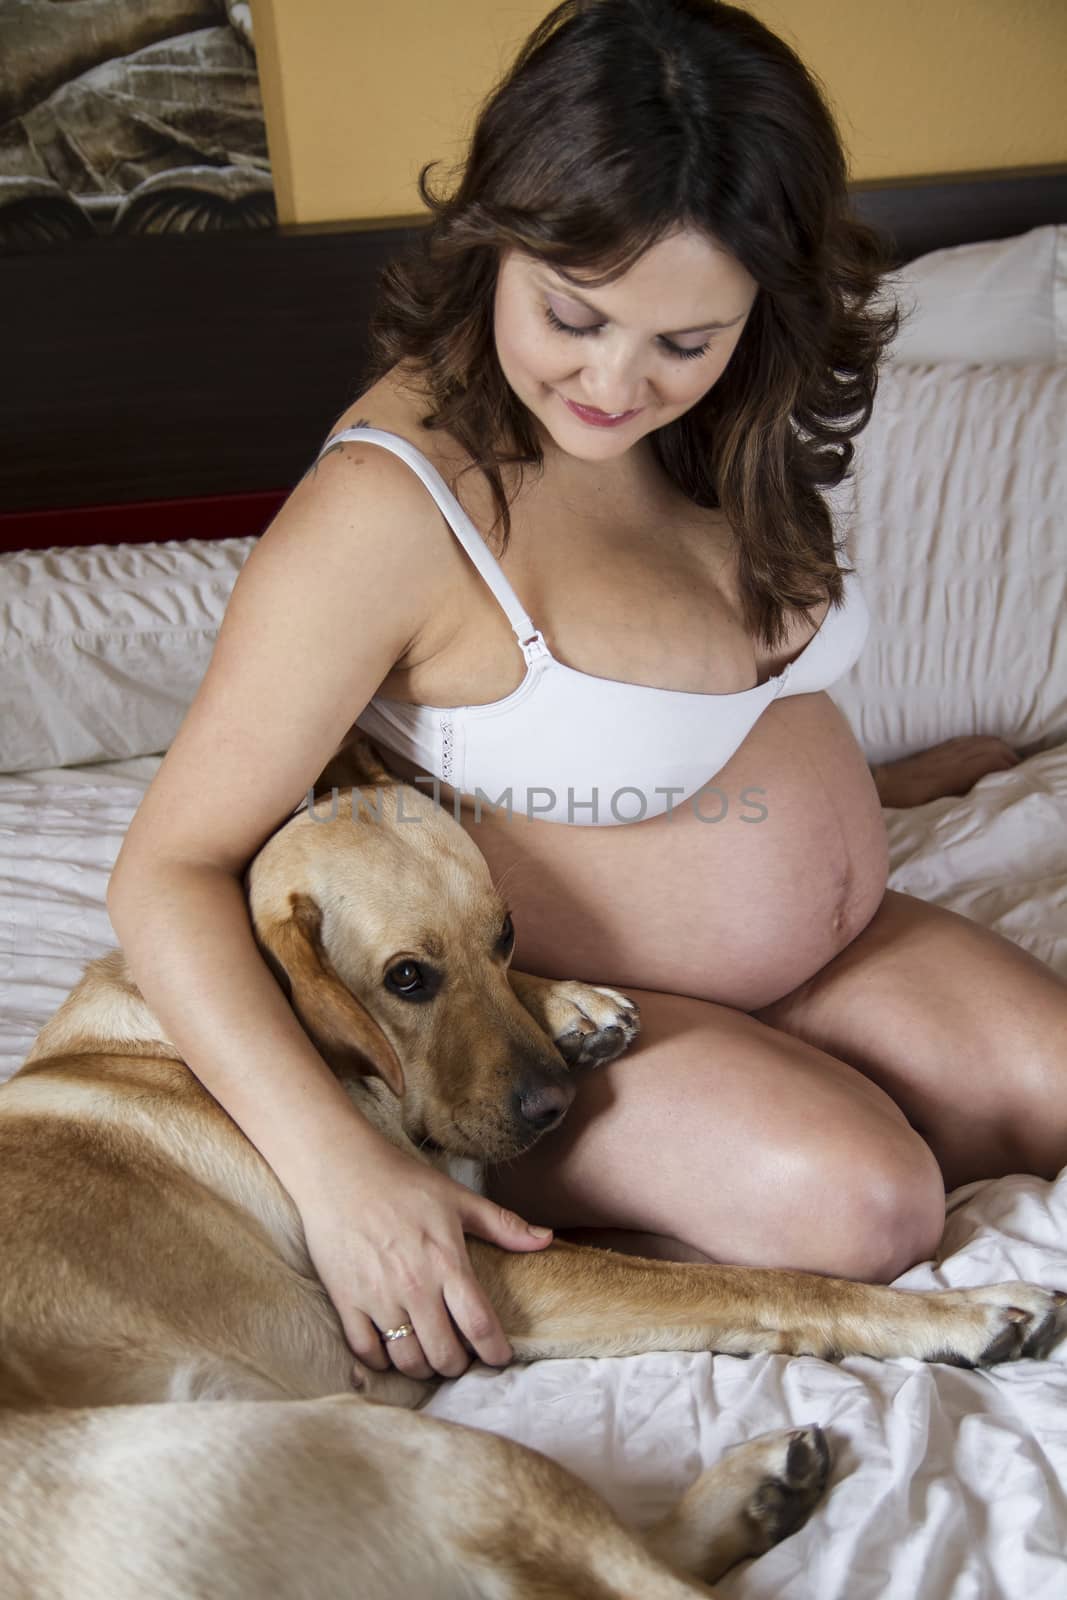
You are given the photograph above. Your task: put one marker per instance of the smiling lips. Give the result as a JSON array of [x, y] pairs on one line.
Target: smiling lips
[[599, 419]]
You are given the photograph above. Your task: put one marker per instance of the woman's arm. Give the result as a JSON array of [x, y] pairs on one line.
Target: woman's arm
[[335, 593], [188, 939], [950, 768]]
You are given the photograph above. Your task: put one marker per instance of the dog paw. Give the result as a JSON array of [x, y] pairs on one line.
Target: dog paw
[[754, 1497], [589, 1025], [793, 1469], [999, 1322]]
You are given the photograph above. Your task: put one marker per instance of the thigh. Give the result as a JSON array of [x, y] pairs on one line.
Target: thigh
[[739, 1140], [966, 1031]]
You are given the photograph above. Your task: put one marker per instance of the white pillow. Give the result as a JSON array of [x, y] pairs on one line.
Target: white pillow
[[102, 648], [1001, 302], [957, 522]]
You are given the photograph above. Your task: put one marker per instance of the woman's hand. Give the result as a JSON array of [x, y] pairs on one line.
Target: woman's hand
[[385, 1232], [952, 767]]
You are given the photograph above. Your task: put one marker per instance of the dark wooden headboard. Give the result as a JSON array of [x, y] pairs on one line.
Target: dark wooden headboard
[[168, 386]]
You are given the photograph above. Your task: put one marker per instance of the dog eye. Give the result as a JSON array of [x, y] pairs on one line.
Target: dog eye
[[507, 933], [405, 977]]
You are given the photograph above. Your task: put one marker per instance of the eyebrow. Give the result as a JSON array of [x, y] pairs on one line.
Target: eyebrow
[[703, 327]]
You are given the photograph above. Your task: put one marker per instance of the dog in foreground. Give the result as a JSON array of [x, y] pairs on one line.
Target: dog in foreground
[[151, 1262]]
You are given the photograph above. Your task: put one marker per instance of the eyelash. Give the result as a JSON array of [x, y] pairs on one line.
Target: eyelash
[[580, 333]]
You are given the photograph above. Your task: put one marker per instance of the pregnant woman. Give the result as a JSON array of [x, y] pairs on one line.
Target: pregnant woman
[[568, 551]]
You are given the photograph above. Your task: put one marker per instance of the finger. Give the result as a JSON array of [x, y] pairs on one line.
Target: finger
[[476, 1320], [487, 1220], [406, 1352], [996, 748], [365, 1341], [990, 760], [438, 1338]]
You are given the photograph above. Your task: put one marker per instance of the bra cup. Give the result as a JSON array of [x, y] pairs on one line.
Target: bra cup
[[577, 740], [836, 645]]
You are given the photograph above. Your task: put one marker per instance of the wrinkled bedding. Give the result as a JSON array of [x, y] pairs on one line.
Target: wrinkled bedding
[[947, 1484]]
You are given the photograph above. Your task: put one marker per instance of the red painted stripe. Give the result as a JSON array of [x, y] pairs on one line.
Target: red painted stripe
[[214, 516]]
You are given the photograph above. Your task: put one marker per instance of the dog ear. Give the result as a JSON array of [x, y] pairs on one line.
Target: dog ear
[[356, 765], [335, 1019]]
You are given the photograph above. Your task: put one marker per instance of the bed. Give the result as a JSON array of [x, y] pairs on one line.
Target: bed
[[947, 1484]]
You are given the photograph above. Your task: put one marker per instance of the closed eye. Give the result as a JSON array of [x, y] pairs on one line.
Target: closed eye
[[580, 333]]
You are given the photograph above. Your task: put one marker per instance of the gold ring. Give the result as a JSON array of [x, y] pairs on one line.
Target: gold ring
[[398, 1333]]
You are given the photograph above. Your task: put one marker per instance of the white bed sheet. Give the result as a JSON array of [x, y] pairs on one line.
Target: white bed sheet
[[947, 1485]]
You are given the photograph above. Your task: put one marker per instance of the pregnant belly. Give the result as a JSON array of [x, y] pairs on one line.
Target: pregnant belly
[[738, 910]]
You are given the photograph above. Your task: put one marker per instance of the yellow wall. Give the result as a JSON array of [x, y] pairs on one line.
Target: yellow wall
[[360, 93]]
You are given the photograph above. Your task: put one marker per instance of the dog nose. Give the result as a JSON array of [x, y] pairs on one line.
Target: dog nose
[[540, 1106]]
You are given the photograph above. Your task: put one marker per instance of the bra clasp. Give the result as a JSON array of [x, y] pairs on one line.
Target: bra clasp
[[534, 646]]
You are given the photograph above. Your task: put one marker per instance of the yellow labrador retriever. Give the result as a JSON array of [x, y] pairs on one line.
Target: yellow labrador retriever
[[150, 1262]]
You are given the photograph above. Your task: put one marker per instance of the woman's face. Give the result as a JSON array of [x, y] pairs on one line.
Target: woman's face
[[653, 342]]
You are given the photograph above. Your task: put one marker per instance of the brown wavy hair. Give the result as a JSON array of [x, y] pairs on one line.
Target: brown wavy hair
[[619, 122]]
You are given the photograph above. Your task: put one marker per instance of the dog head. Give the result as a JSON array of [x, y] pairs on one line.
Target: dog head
[[377, 913]]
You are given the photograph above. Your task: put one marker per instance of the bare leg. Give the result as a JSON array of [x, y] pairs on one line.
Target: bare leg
[[963, 1029], [742, 1143]]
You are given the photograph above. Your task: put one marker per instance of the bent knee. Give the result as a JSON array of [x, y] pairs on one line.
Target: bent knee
[[867, 1211], [893, 1209]]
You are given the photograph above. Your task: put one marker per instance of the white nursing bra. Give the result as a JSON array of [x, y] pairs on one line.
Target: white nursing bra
[[567, 746]]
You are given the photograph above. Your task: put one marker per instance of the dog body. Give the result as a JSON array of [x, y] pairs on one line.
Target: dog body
[[151, 1261]]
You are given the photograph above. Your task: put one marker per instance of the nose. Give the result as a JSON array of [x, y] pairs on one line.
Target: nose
[[612, 398], [541, 1104], [615, 382]]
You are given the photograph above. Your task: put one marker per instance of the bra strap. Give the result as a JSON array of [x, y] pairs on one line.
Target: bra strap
[[530, 640]]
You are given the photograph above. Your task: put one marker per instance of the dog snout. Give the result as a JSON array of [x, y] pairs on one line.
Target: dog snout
[[542, 1103]]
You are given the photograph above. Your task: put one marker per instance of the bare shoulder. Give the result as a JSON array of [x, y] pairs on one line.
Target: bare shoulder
[[359, 507], [378, 472], [335, 594], [398, 404]]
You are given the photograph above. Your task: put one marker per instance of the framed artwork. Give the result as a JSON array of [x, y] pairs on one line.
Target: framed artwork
[[134, 117]]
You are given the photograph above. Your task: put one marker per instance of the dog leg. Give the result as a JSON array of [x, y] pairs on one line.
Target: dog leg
[[572, 1300], [320, 1499]]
